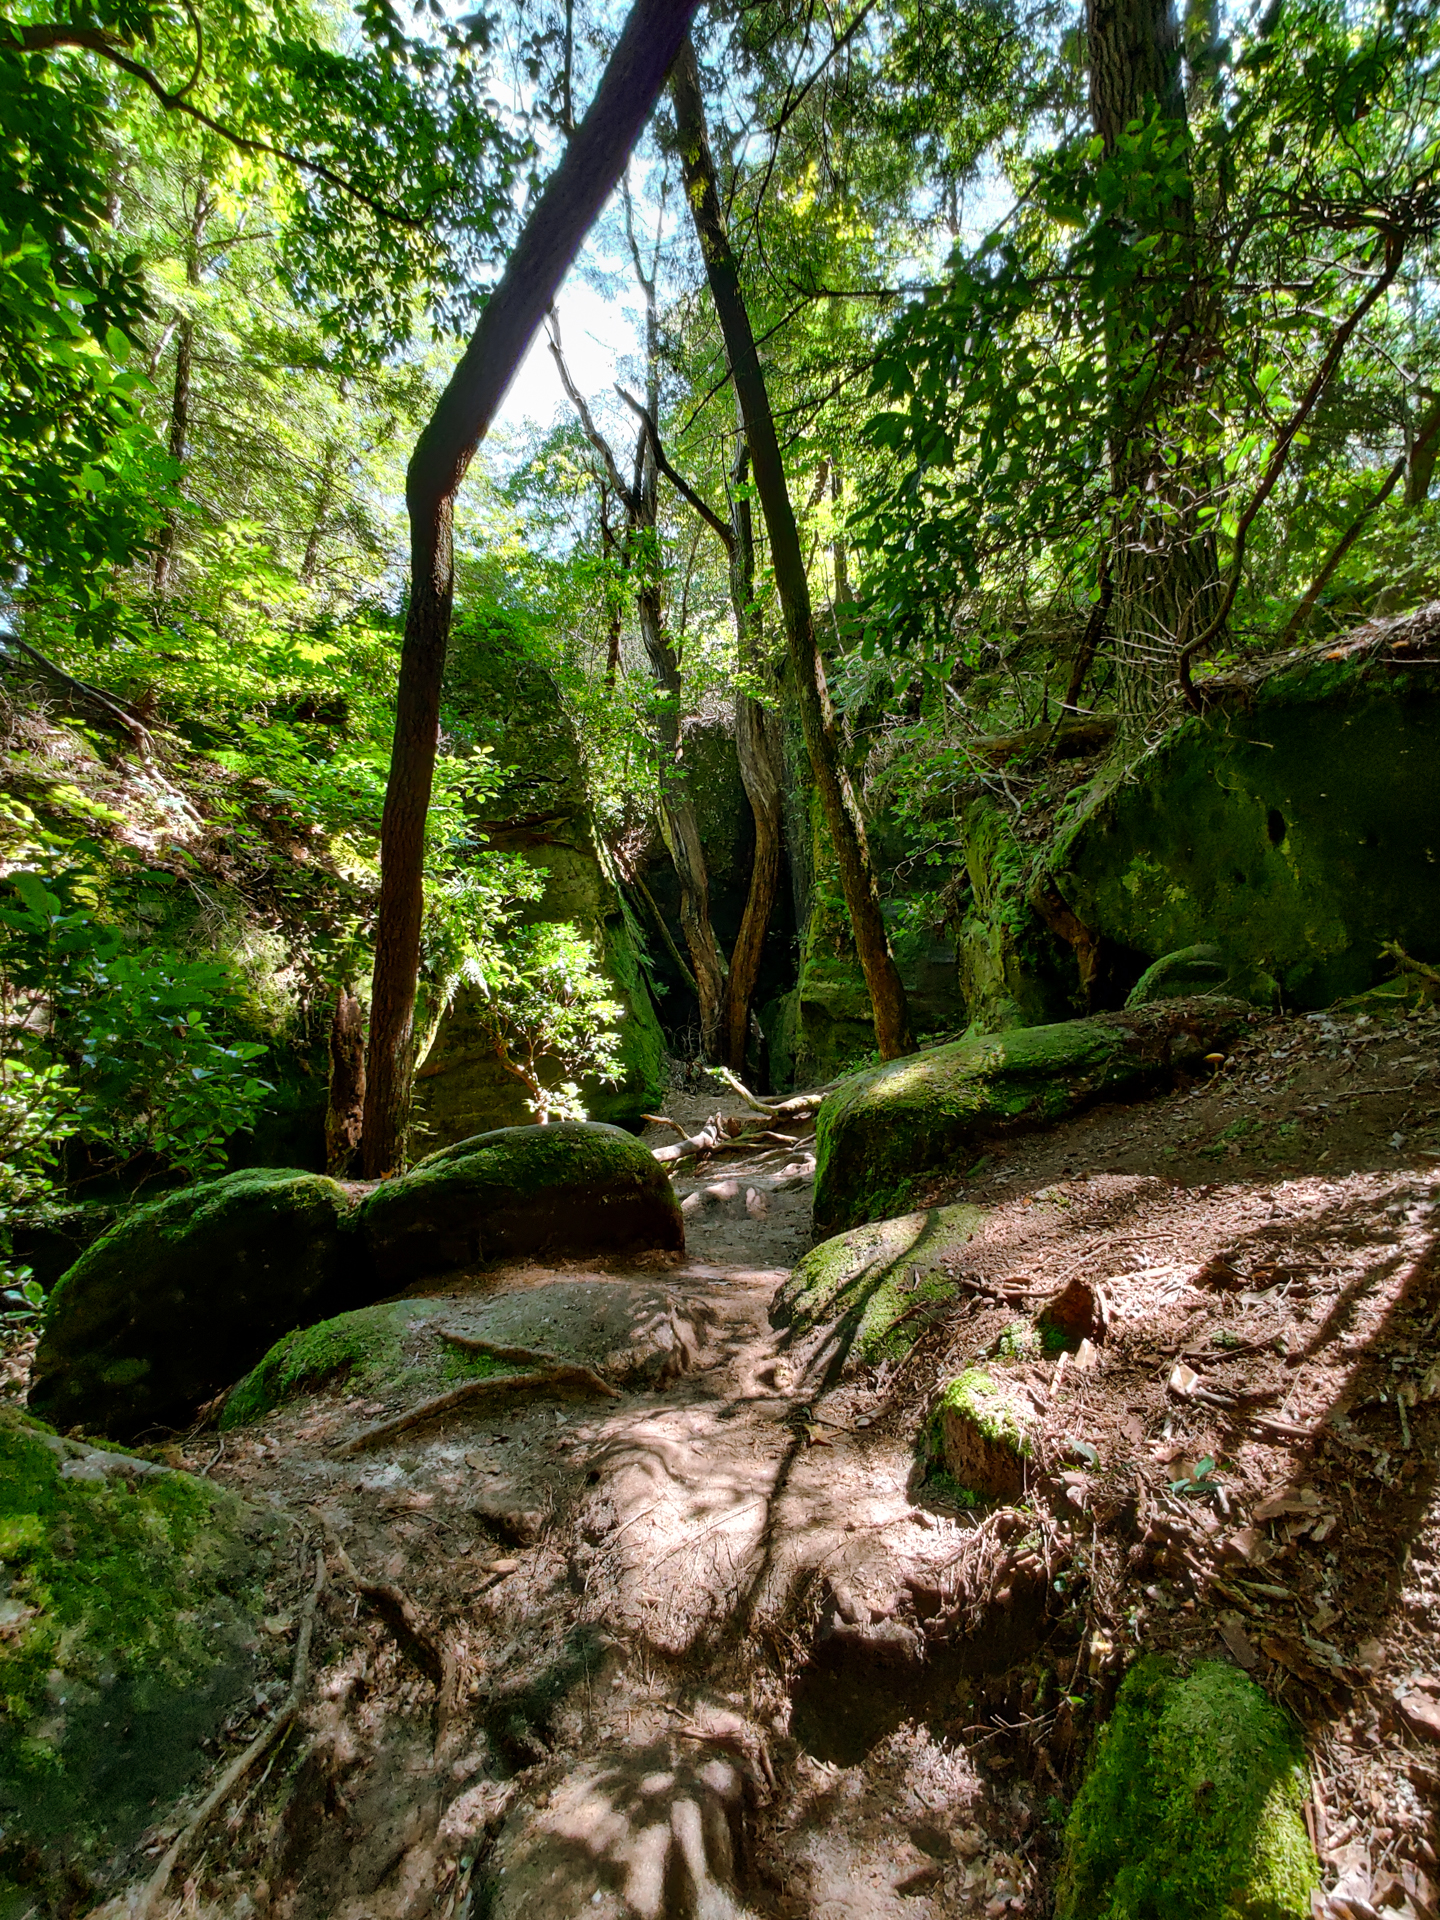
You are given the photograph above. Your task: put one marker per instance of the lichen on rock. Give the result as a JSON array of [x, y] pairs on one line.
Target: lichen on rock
[[883, 1130], [575, 1187], [876, 1280], [127, 1619], [1193, 1808], [182, 1295]]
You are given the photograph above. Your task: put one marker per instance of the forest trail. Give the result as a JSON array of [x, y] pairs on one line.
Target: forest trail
[[716, 1645]]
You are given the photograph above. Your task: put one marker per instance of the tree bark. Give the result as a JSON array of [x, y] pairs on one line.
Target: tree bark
[[180, 392], [577, 190], [759, 749], [345, 1110], [857, 873], [1164, 573]]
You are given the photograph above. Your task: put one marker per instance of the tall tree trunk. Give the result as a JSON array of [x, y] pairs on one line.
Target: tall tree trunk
[[679, 826], [759, 749], [346, 1106], [1164, 577], [857, 872], [577, 190], [179, 437]]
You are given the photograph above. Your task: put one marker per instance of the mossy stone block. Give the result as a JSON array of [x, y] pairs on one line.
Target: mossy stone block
[[877, 1280], [1297, 835], [181, 1296], [576, 1187], [127, 1632], [883, 1130], [1193, 1808], [984, 1428]]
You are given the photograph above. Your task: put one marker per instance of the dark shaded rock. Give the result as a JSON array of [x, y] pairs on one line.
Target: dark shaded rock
[[883, 1130], [127, 1633], [184, 1294], [1202, 969], [576, 1187], [1295, 828]]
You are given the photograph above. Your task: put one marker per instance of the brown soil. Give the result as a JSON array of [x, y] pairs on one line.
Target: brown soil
[[718, 1645]]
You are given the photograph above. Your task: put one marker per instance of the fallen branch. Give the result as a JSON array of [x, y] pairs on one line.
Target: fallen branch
[[742, 1092], [552, 1374], [179, 1848], [664, 1120]]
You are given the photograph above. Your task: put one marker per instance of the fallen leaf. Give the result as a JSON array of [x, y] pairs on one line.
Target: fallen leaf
[[1288, 1500], [817, 1436], [502, 1566], [1183, 1380], [1238, 1641]]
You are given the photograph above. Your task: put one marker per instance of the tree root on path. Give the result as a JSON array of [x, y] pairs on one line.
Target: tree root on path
[[417, 1639], [184, 1841], [549, 1372]]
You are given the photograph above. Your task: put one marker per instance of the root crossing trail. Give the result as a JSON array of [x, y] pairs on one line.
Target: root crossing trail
[[716, 1642]]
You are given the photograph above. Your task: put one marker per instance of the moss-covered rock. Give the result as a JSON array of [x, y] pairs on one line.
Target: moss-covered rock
[[127, 1616], [982, 1434], [388, 1347], [542, 813], [1296, 832], [1013, 970], [180, 1296], [576, 1187], [1193, 1808], [878, 1280], [882, 1131]]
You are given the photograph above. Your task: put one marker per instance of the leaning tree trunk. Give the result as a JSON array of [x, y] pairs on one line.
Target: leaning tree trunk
[[842, 815], [759, 748], [577, 190]]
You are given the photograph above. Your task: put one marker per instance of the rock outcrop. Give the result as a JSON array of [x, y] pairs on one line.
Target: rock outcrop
[[884, 1130], [1193, 1806], [573, 1188], [541, 813], [182, 1295], [878, 1284]]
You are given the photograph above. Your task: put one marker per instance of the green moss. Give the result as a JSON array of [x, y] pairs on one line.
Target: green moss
[[576, 1187], [127, 1605], [1296, 837], [927, 1112], [1013, 971], [975, 1396], [1193, 1806], [181, 1295], [873, 1279], [368, 1349]]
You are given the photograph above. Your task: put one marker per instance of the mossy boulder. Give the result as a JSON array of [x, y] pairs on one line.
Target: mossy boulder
[[573, 1188], [181, 1296], [878, 1281], [1193, 1808], [393, 1347], [128, 1608], [983, 1428], [1296, 827], [512, 705], [882, 1131], [1014, 972]]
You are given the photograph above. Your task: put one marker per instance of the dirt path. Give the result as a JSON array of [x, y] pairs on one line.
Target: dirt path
[[716, 1645]]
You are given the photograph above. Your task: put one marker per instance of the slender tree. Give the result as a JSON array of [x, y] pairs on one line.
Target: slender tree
[[822, 734], [579, 187]]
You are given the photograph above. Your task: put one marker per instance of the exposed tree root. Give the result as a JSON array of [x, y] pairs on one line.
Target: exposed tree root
[[549, 1372], [184, 1841]]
